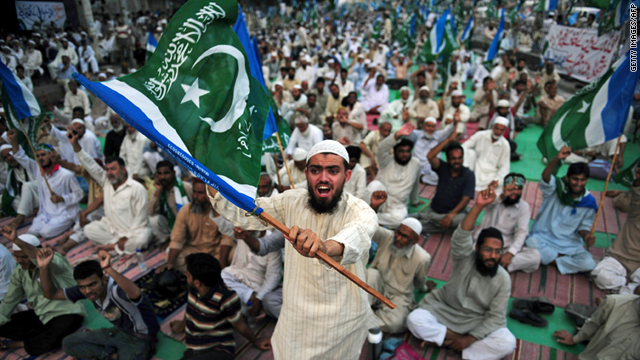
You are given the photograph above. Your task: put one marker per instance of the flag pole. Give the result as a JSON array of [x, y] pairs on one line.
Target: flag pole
[[33, 150], [606, 184], [334, 264], [284, 160]]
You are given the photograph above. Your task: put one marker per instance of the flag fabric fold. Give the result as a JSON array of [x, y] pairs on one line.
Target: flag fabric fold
[[197, 99], [495, 43], [594, 115], [152, 43], [468, 30], [24, 102]]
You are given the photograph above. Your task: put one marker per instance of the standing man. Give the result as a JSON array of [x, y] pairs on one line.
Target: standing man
[[116, 298], [318, 303], [563, 224]]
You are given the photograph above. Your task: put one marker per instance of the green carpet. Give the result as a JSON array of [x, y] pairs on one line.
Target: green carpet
[[166, 348]]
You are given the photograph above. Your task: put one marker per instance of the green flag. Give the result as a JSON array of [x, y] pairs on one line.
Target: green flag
[[377, 28], [31, 124], [602, 4], [628, 175], [270, 145]]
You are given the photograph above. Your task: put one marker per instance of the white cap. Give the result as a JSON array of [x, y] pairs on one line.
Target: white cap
[[299, 154], [301, 119], [330, 61], [31, 42], [430, 119], [424, 88], [297, 87], [102, 75], [501, 120], [367, 61], [360, 56], [404, 88], [328, 147], [29, 239], [77, 121], [307, 58], [4, 147], [503, 103], [277, 83], [457, 93], [110, 70], [413, 224]]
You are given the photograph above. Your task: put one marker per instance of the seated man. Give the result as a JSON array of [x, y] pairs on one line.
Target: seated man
[[115, 137], [296, 169], [503, 110], [612, 331], [334, 103], [117, 298], [210, 330], [510, 214], [195, 231], [488, 154], [345, 130], [455, 189], [457, 112], [369, 146], [125, 226], [397, 113], [484, 103], [170, 194], [289, 110], [86, 138], [469, 313], [312, 110], [255, 278], [58, 195], [75, 98], [7, 265], [42, 328], [400, 174], [423, 108], [131, 151], [304, 136], [622, 260], [358, 181], [19, 181], [400, 266], [550, 102], [564, 220], [426, 139], [376, 99]]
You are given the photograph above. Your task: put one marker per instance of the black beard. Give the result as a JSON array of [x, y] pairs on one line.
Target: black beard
[[508, 201], [483, 269], [320, 206], [291, 77], [401, 162], [335, 96]]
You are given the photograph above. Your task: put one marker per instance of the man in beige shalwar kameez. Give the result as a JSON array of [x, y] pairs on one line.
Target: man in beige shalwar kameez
[[324, 315]]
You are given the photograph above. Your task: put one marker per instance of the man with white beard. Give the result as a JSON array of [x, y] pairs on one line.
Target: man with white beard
[[304, 136], [422, 108], [324, 314], [289, 109], [397, 113], [400, 267], [32, 60], [425, 140], [488, 154]]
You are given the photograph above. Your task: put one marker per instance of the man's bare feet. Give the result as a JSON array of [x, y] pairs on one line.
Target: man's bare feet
[[63, 240], [178, 326]]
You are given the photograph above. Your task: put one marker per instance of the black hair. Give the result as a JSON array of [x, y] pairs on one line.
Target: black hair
[[343, 70], [79, 108], [87, 268], [204, 268], [354, 152], [486, 80], [453, 146], [310, 95], [421, 73], [111, 159], [19, 67], [404, 142], [164, 163], [490, 232], [320, 80], [520, 82], [578, 169], [550, 82]]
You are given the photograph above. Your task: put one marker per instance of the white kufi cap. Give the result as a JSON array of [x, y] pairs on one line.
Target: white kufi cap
[[431, 119], [328, 147], [77, 121], [413, 224], [501, 120], [299, 154], [457, 93], [29, 239], [503, 103], [424, 88]]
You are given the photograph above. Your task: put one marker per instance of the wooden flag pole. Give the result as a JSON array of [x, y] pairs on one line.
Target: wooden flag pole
[[606, 184], [334, 264], [33, 150], [284, 160]]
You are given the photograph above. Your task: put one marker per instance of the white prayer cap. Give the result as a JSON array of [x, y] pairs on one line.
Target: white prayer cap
[[400, 55], [503, 103], [457, 93], [277, 83], [328, 147], [301, 119], [501, 120], [413, 224], [365, 51], [330, 61], [294, 64], [299, 154], [159, 29], [77, 121], [360, 56], [5, 147], [31, 42], [424, 88], [404, 88], [29, 239], [64, 39], [367, 61], [455, 53], [110, 70], [333, 49], [297, 87], [430, 119], [132, 70], [307, 58], [102, 75]]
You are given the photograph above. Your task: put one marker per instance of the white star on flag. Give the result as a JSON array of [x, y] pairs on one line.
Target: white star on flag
[[193, 93]]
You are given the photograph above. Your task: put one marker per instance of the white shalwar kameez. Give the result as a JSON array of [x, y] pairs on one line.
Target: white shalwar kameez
[[488, 160], [53, 219], [375, 97], [357, 183], [421, 149], [401, 182], [324, 315]]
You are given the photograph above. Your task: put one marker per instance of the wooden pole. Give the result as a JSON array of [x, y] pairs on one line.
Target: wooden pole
[[334, 264], [284, 160], [275, 158], [33, 150], [606, 184]]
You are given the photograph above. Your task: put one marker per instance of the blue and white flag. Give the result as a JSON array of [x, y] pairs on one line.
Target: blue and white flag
[[24, 102], [550, 5], [152, 43], [495, 43], [437, 45], [374, 6], [466, 33], [573, 18]]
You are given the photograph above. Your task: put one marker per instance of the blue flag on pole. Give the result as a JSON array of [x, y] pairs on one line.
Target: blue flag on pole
[[495, 44], [152, 43], [24, 102]]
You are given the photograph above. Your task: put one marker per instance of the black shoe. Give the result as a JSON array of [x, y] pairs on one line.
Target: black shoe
[[538, 305], [528, 317]]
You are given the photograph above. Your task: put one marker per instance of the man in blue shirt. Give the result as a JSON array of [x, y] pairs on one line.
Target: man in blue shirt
[[564, 220], [117, 299], [65, 72]]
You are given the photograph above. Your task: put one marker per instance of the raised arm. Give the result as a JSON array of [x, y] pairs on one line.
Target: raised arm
[[49, 290], [18, 154], [11, 235], [128, 286], [384, 149], [432, 156], [87, 162], [564, 152]]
